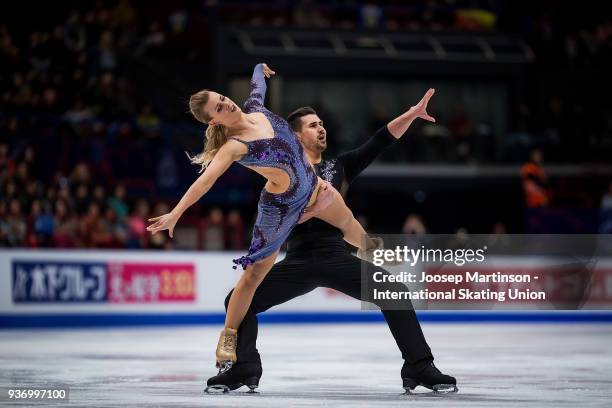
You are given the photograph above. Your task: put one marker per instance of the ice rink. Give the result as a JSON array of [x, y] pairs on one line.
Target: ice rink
[[344, 365]]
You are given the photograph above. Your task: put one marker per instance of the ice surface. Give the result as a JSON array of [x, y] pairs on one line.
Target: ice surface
[[357, 365]]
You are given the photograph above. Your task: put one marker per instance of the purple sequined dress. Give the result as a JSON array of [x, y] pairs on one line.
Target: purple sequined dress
[[277, 214]]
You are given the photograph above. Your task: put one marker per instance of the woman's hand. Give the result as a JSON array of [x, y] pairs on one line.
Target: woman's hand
[[163, 222], [324, 199], [267, 71], [420, 109]]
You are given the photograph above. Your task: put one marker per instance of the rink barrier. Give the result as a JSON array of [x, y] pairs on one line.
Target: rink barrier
[[132, 320], [114, 288]]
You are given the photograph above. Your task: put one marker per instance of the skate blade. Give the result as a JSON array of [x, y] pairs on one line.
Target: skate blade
[[252, 389], [438, 389], [217, 389], [224, 389], [445, 388]]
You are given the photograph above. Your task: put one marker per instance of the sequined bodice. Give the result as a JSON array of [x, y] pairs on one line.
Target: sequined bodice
[[283, 151]]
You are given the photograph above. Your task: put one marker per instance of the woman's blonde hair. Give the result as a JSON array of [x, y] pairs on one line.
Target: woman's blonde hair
[[215, 136]]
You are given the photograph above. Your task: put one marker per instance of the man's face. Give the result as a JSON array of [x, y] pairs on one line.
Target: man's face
[[312, 134]]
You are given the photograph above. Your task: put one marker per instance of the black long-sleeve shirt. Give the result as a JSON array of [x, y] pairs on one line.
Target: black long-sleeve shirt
[[340, 172]]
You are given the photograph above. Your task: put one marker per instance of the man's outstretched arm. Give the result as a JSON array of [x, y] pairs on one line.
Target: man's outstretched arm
[[355, 161], [398, 126]]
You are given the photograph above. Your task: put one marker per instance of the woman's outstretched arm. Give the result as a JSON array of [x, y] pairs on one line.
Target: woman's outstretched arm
[[258, 87], [227, 154]]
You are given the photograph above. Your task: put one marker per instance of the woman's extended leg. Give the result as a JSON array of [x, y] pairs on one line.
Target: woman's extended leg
[[341, 217], [245, 289], [237, 308]]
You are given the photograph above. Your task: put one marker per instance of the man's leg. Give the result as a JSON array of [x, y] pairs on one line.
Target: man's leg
[[344, 273]]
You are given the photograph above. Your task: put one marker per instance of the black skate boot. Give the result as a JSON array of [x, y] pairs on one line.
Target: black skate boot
[[240, 374], [427, 375]]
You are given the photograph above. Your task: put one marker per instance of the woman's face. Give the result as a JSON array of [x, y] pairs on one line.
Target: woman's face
[[221, 109]]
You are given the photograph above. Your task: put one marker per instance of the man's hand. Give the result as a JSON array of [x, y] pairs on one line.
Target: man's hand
[[420, 109], [398, 126], [324, 199], [267, 71]]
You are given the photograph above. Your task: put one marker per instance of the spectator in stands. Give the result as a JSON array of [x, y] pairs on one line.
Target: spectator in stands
[[117, 202], [80, 174], [22, 175], [213, 231], [153, 41], [460, 239], [123, 14], [75, 33], [40, 225], [3, 223], [414, 225], [137, 225], [115, 231], [436, 140], [534, 181], [461, 128], [99, 196], [89, 225], [235, 231], [16, 227], [307, 14], [371, 16], [535, 194], [31, 192], [605, 226], [498, 240], [148, 122], [50, 194], [63, 193], [34, 167], [78, 112], [106, 57], [81, 199], [10, 190], [66, 226], [7, 164]]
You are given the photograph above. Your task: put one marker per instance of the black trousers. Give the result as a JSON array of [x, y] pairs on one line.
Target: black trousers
[[328, 264]]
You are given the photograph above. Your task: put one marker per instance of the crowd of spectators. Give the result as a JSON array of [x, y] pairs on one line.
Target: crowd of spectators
[[563, 113], [70, 93], [76, 67], [561, 110], [79, 67], [74, 210], [406, 15]]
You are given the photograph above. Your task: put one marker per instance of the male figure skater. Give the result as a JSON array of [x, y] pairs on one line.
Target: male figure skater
[[318, 257]]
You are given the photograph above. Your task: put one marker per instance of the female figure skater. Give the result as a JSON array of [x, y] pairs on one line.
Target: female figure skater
[[263, 142]]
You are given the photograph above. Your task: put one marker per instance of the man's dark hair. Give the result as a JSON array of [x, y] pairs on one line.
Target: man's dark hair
[[295, 118]]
